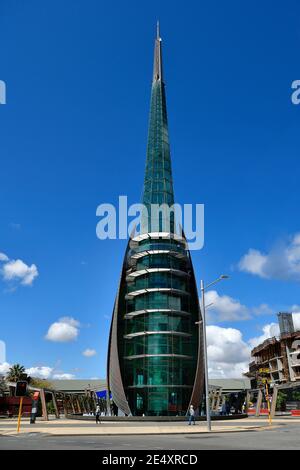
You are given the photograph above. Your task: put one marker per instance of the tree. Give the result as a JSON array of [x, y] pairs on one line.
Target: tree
[[3, 386], [15, 373], [40, 383], [296, 395], [281, 401], [50, 408]]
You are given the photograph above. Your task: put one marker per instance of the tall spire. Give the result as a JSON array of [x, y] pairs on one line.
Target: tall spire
[[158, 184], [155, 354], [157, 69]]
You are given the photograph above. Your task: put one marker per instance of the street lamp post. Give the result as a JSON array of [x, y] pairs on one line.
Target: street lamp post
[[207, 407], [223, 276]]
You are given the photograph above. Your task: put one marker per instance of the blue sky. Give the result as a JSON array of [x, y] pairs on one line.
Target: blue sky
[[73, 135]]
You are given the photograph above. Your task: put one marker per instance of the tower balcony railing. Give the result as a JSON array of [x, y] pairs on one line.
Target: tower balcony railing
[[176, 272], [134, 257], [157, 332], [140, 356], [157, 246], [157, 236], [169, 311], [131, 295], [158, 281]]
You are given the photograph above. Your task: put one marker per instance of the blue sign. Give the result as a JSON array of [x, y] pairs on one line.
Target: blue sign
[[102, 394]]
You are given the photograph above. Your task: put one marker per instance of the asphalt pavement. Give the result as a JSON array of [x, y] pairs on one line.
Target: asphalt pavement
[[285, 436]]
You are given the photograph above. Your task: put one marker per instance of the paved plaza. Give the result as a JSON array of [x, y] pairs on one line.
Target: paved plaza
[[251, 433]]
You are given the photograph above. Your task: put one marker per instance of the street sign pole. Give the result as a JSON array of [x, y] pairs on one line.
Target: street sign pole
[[20, 414], [21, 389], [268, 403]]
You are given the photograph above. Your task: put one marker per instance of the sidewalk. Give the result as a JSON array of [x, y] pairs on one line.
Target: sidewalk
[[64, 427]]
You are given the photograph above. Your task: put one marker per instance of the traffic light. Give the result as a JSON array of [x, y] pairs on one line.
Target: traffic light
[[21, 388]]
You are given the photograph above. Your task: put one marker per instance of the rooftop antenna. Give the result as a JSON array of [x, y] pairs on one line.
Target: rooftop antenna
[[157, 70]]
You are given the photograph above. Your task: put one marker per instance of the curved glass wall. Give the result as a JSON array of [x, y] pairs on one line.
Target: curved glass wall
[[158, 321], [158, 300], [160, 261], [158, 280], [157, 338]]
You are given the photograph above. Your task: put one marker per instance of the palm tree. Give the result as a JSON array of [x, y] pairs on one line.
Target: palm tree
[[15, 373], [3, 387]]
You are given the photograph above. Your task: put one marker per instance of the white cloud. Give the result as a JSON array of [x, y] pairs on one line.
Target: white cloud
[[4, 368], [226, 343], [2, 351], [282, 262], [223, 370], [272, 329], [263, 309], [253, 262], [3, 257], [269, 330], [228, 353], [89, 352], [63, 376], [296, 320], [64, 330], [17, 270], [295, 310], [221, 308], [41, 372], [225, 308]]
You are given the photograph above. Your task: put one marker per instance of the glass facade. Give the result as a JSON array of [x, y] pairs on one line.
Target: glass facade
[[154, 358], [157, 337]]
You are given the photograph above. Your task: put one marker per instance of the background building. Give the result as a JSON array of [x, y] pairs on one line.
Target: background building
[[286, 324], [83, 385], [279, 356]]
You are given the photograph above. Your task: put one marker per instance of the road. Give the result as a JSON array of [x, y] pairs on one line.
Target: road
[[285, 436]]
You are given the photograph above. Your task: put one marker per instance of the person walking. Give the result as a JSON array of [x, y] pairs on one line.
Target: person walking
[[191, 415], [97, 414]]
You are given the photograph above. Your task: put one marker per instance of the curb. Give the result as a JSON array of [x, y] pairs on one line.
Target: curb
[[223, 431]]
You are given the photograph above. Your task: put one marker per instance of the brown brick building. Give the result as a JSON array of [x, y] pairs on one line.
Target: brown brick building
[[280, 355]]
